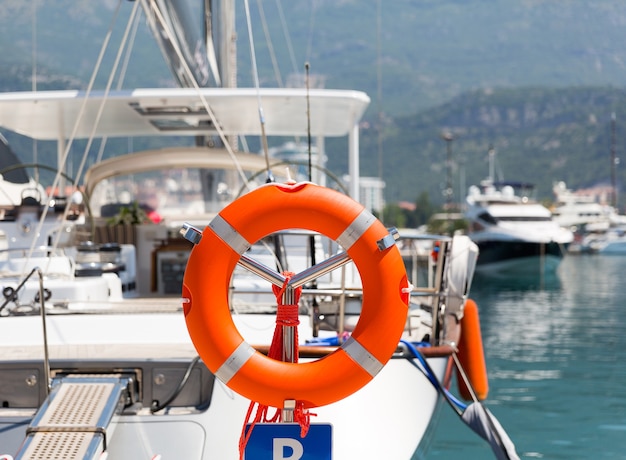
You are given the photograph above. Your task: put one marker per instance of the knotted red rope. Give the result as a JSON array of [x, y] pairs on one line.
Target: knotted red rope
[[286, 315]]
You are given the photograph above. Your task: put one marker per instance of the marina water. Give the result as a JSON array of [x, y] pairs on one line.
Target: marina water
[[556, 356]]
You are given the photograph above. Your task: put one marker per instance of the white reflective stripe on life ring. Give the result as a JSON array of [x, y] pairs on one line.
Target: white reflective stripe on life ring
[[362, 357], [235, 361], [229, 234], [356, 229]]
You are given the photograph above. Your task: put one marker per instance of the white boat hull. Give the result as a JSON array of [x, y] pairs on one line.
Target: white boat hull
[[370, 424], [385, 419]]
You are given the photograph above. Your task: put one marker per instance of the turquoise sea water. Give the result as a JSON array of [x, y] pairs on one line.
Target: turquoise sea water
[[556, 359]]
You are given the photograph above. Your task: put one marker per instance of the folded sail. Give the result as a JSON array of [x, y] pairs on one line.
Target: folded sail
[[186, 25]]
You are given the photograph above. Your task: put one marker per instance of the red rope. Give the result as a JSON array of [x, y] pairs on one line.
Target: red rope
[[286, 315]]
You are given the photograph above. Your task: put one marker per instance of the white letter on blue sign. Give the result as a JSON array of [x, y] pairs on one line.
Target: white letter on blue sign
[[279, 449]]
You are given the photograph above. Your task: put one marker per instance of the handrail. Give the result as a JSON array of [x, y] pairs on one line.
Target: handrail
[[46, 362], [43, 320]]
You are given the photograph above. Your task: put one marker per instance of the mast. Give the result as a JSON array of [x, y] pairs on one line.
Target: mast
[[492, 158], [613, 161], [379, 88], [226, 40], [183, 30]]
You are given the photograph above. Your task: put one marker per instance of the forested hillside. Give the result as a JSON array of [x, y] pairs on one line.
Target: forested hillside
[[540, 135], [407, 54]]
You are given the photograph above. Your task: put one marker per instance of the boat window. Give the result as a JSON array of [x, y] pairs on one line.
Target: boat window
[[525, 218], [486, 217], [174, 193]]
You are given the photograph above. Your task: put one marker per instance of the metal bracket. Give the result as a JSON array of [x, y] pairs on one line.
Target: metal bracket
[[389, 240], [289, 406], [191, 233]]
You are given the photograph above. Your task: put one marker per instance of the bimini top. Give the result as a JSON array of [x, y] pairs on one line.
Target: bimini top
[[53, 115]]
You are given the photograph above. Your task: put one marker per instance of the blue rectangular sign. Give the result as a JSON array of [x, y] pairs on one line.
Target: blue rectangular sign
[[282, 441]]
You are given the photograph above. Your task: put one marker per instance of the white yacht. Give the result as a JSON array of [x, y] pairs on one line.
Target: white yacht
[[597, 227], [577, 211], [514, 233]]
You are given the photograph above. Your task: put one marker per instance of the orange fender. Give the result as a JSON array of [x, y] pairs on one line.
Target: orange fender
[[471, 354]]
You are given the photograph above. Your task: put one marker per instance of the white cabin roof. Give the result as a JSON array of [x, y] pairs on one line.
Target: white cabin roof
[[53, 115]]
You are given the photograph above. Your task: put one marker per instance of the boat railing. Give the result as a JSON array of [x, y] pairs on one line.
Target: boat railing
[[333, 302], [440, 280], [54, 262], [25, 251]]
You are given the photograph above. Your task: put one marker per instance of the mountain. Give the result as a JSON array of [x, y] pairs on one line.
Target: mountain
[[427, 51], [68, 36], [538, 79], [540, 135]]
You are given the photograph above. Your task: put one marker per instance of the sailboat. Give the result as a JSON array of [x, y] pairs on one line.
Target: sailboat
[[177, 357]]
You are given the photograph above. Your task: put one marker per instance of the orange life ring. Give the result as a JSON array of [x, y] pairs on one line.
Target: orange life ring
[[265, 210], [471, 354]]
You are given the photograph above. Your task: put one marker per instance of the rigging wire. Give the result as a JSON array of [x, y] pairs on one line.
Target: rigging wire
[[34, 81], [270, 45], [116, 64], [66, 151], [255, 76], [311, 27], [308, 121], [287, 39], [118, 58], [285, 29], [121, 78], [288, 42], [203, 99], [311, 238], [208, 41], [379, 86]]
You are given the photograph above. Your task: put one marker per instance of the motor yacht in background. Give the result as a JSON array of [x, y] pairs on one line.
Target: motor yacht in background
[[515, 234], [597, 227]]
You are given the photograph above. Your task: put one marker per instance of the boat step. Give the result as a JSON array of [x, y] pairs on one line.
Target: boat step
[[76, 419]]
